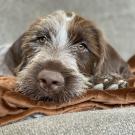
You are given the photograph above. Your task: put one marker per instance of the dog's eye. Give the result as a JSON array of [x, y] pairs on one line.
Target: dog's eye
[[42, 39], [82, 46]]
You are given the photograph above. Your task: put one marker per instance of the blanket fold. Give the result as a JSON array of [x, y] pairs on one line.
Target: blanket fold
[[14, 106]]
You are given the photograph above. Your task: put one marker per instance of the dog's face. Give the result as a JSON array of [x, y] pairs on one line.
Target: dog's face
[[59, 53]]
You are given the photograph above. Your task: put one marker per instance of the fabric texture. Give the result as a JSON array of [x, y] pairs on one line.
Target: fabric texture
[[15, 106]]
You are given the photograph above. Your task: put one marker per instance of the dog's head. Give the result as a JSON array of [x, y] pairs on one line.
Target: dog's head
[[57, 55]]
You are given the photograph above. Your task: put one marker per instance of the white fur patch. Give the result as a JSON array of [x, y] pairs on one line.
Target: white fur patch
[[62, 37], [59, 21]]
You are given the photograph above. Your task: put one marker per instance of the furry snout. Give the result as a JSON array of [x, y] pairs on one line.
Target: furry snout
[[50, 80]]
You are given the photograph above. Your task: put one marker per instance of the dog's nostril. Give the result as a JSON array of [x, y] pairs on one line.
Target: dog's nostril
[[55, 82], [43, 81]]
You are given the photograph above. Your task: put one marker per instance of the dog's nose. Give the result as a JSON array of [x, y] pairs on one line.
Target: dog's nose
[[50, 79]]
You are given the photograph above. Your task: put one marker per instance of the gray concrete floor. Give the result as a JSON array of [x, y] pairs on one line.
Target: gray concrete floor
[[116, 18]]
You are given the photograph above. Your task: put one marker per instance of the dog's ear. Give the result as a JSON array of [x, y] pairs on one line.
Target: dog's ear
[[14, 55], [110, 61]]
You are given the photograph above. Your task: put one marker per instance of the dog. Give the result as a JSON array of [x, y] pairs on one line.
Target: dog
[[58, 54]]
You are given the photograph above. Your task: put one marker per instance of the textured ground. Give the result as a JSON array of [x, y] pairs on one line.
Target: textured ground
[[106, 122]]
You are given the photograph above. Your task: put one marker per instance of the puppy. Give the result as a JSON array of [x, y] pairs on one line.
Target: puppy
[[56, 57]]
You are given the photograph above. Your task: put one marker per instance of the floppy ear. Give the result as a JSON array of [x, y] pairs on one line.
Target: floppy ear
[[14, 55], [110, 61]]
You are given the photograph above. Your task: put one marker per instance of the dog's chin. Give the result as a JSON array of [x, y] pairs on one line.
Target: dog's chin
[[59, 97], [62, 96]]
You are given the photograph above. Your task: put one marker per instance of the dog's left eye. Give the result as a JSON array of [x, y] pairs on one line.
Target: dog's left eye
[[82, 46]]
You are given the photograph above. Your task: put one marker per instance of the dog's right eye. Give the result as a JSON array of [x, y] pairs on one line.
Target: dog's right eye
[[42, 39]]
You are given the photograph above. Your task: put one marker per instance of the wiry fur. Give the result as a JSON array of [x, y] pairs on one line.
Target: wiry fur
[[59, 51], [64, 33]]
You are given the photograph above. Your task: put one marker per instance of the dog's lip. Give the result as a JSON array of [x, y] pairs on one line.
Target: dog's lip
[[48, 92]]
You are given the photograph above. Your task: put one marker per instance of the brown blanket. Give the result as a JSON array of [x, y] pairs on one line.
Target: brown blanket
[[14, 106]]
